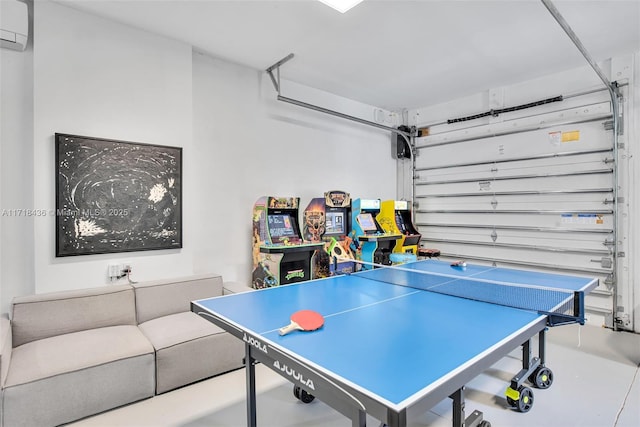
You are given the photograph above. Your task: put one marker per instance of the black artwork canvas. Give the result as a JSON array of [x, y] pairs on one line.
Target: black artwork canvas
[[116, 196]]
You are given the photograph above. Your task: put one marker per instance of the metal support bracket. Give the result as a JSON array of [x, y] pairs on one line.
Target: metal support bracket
[[576, 41], [604, 262], [529, 365], [276, 84], [276, 66]]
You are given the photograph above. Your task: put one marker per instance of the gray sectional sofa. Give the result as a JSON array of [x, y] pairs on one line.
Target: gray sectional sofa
[[68, 355]]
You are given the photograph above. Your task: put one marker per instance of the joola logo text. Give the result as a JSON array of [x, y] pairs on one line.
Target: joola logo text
[[293, 374], [254, 342]]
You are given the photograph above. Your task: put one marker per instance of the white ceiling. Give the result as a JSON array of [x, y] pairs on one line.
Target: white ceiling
[[391, 54]]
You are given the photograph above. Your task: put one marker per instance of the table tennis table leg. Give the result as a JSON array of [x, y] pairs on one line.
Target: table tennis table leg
[[531, 364], [250, 369], [459, 420], [359, 419], [542, 338], [533, 369]]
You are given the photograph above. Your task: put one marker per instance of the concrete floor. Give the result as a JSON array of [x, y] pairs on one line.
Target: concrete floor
[[596, 384]]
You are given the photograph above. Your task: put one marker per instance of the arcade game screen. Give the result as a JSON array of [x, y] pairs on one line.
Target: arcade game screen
[[366, 222], [400, 223], [281, 226], [335, 223]]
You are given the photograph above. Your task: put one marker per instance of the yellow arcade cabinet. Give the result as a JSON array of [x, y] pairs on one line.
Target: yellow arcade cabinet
[[395, 217]]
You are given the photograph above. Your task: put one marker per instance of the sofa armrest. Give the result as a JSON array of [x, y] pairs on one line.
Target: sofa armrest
[[234, 288], [6, 347]]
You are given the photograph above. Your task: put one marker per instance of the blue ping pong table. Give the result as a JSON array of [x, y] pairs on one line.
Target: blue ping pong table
[[397, 341]]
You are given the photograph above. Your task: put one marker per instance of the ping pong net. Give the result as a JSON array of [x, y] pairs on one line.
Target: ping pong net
[[561, 306]]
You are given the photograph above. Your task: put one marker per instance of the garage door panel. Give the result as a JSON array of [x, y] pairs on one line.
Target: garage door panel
[[523, 256], [583, 242], [524, 192], [482, 147], [561, 201], [541, 166], [568, 220], [588, 181]]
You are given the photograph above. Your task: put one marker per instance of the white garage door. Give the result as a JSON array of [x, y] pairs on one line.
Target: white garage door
[[534, 191]]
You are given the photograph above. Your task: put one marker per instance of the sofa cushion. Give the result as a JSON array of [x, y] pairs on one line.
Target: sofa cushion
[[164, 297], [46, 315], [190, 348], [174, 329], [64, 378], [71, 352]]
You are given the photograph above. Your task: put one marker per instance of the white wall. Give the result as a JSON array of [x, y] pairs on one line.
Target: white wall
[[16, 172], [95, 77], [98, 78], [251, 145]]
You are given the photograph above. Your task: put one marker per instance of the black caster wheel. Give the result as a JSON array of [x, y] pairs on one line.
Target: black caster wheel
[[542, 378], [302, 395], [525, 402], [484, 424]]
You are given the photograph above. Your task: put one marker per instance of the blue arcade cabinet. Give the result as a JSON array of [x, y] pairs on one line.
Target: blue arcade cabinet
[[372, 243]]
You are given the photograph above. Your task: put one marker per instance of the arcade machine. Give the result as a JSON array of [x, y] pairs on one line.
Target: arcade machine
[[372, 243], [328, 220], [395, 217], [280, 255]]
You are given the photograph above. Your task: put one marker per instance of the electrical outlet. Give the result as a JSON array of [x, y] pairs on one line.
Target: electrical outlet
[[126, 268], [114, 271]]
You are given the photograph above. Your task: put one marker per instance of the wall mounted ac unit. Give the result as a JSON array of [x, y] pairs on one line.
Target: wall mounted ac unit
[[14, 24]]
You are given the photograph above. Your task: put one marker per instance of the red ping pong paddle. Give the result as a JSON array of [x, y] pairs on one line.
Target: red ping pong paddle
[[303, 320]]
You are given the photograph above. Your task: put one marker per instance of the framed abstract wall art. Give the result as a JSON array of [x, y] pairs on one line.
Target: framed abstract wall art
[[116, 196]]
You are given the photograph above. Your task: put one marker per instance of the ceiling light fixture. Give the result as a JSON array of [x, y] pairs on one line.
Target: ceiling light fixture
[[341, 5]]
